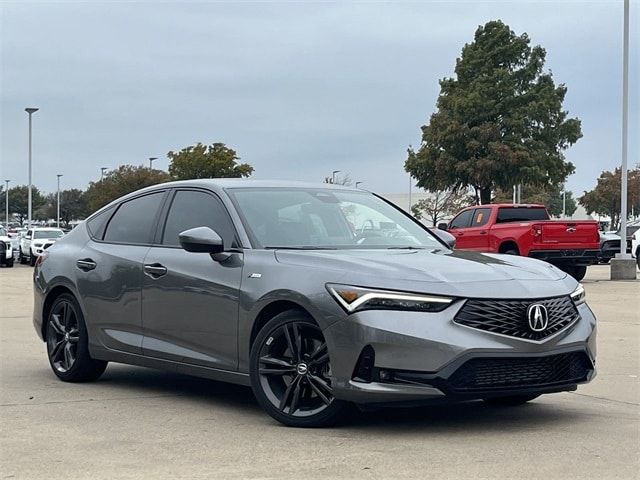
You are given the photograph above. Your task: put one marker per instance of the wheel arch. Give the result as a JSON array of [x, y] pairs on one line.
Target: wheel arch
[[51, 297], [270, 310], [506, 245]]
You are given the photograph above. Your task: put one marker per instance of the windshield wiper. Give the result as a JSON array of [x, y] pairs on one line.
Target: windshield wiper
[[299, 247], [408, 247]]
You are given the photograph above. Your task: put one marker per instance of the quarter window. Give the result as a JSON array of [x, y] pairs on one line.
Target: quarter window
[[462, 220], [134, 220], [191, 209]]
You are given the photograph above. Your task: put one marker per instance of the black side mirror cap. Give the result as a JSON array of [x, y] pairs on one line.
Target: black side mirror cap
[[442, 226], [201, 240]]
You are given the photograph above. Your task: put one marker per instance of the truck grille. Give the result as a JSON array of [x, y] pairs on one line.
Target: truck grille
[[486, 374], [509, 317]]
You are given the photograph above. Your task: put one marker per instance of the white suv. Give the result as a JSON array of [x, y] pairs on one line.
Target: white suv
[[35, 241], [6, 249]]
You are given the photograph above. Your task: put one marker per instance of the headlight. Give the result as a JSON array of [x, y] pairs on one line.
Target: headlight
[[579, 295], [357, 298]]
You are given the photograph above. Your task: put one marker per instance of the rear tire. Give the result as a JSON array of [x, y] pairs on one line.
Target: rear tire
[[32, 259], [9, 263], [512, 252], [21, 257], [291, 373], [68, 343], [510, 401]]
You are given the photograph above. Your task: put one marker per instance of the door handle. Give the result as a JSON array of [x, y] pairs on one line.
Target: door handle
[[483, 232], [86, 264], [155, 270]]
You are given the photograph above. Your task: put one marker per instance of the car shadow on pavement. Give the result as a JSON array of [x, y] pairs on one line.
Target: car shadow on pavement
[[454, 418]]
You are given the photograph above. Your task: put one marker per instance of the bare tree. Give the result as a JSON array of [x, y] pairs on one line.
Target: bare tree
[[441, 204]]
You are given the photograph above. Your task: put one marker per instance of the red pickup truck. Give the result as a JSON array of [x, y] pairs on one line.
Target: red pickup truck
[[526, 230]]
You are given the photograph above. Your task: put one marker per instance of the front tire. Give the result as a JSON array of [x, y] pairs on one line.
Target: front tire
[[32, 259], [291, 372], [68, 343], [21, 257]]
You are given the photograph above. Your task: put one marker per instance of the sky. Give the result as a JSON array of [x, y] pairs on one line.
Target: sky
[[298, 89]]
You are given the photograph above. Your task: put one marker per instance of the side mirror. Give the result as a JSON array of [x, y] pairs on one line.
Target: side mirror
[[201, 240], [446, 237], [442, 226]]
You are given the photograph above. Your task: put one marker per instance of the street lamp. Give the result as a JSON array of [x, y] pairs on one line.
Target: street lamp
[[102, 170], [333, 176], [30, 111], [358, 183], [58, 221], [6, 202], [151, 159]]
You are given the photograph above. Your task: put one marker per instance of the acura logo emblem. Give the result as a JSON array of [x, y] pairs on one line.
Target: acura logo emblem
[[538, 317]]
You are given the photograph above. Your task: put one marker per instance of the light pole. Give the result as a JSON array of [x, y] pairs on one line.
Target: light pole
[[564, 203], [102, 170], [151, 159], [333, 176], [622, 265], [30, 111], [58, 221], [358, 183], [410, 182], [6, 202]]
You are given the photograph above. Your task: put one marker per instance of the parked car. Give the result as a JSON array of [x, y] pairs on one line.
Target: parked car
[[527, 230], [317, 296], [635, 246], [609, 246], [35, 241], [6, 248]]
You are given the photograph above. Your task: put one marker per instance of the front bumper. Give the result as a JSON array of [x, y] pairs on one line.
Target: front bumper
[[567, 257], [420, 357]]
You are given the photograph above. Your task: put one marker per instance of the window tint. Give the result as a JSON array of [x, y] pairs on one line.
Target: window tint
[[191, 209], [134, 220], [521, 214], [462, 220], [97, 223], [481, 217]]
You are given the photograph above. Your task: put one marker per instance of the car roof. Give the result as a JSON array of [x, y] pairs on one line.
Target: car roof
[[227, 183]]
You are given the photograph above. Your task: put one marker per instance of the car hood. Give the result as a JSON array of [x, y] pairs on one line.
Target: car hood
[[425, 265]]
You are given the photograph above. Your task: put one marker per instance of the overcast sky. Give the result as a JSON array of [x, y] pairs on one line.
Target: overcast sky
[[298, 89]]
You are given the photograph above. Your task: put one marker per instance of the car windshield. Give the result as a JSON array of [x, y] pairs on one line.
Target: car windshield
[[300, 218], [47, 234]]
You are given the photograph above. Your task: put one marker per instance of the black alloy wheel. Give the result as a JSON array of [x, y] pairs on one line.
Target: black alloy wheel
[[67, 342], [291, 372]]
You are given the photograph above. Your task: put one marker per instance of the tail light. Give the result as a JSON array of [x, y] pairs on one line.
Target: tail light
[[536, 231]]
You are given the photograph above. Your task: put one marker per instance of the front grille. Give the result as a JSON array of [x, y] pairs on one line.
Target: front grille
[[486, 374], [509, 317]]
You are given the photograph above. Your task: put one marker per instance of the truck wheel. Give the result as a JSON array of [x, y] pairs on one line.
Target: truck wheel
[[32, 259], [9, 263], [577, 272], [21, 257], [512, 252]]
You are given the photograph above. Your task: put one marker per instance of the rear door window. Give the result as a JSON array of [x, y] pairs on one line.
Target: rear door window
[[135, 220], [481, 217]]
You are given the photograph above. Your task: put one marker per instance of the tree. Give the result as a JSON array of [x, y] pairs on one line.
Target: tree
[[207, 161], [19, 203], [344, 180], [116, 183], [550, 196], [441, 204], [604, 199], [73, 206], [499, 122]]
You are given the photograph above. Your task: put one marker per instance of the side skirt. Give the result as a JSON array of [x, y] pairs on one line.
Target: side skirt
[[118, 356]]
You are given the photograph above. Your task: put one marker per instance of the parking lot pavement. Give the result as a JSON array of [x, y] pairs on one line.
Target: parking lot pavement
[[139, 423]]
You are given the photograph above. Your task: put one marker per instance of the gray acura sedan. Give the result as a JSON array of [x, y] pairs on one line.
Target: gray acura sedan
[[319, 297]]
